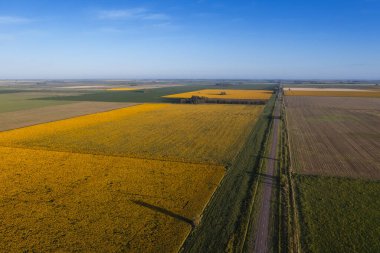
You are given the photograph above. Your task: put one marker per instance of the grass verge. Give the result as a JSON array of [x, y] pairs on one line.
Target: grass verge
[[288, 223], [226, 218], [257, 188]]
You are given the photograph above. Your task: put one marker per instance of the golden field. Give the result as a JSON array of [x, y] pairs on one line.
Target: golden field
[[337, 93], [226, 94], [135, 179], [66, 202], [188, 133]]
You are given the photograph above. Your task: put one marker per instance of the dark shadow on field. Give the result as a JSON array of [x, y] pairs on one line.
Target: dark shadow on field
[[265, 157], [262, 175], [164, 211], [271, 117], [267, 179]]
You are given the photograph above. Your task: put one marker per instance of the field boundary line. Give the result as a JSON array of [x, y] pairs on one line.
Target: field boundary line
[[257, 183], [261, 161], [295, 235], [227, 213], [115, 156], [181, 248], [76, 116]]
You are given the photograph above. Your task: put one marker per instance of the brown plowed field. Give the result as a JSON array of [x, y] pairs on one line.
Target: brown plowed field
[[335, 136], [23, 118], [332, 93]]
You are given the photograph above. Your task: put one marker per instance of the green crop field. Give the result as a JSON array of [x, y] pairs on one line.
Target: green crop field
[[339, 214], [148, 95], [15, 101]]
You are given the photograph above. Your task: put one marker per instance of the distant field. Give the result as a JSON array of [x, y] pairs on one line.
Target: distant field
[[28, 117], [15, 101], [144, 87], [148, 95], [339, 215], [189, 133], [134, 96], [330, 92], [225, 94], [67, 202], [135, 179], [123, 89], [335, 136]]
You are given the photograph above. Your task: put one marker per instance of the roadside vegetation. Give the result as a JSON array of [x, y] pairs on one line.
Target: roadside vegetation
[[287, 232], [228, 214]]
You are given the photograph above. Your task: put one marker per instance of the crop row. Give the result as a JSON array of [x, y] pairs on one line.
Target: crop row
[[86, 203], [334, 141], [199, 134]]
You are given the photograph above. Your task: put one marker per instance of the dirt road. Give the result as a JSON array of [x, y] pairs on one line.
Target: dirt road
[[268, 182]]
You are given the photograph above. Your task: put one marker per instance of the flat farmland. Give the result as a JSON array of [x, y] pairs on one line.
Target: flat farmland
[[211, 134], [15, 101], [226, 94], [28, 117], [135, 179], [67, 202], [335, 136], [331, 92], [339, 214]]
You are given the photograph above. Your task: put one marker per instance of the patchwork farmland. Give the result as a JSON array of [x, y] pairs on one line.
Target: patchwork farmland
[[226, 94], [131, 168], [131, 179], [334, 143], [193, 126], [210, 134], [34, 116]]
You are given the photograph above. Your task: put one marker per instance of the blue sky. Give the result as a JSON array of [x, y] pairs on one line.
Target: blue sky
[[190, 39]]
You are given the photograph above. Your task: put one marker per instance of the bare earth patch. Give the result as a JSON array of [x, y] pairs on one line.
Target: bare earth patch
[[335, 136], [18, 119]]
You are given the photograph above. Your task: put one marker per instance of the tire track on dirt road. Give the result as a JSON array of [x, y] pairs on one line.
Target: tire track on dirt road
[[268, 182]]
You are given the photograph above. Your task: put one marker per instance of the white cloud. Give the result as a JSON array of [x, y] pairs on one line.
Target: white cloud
[[6, 20], [132, 14]]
